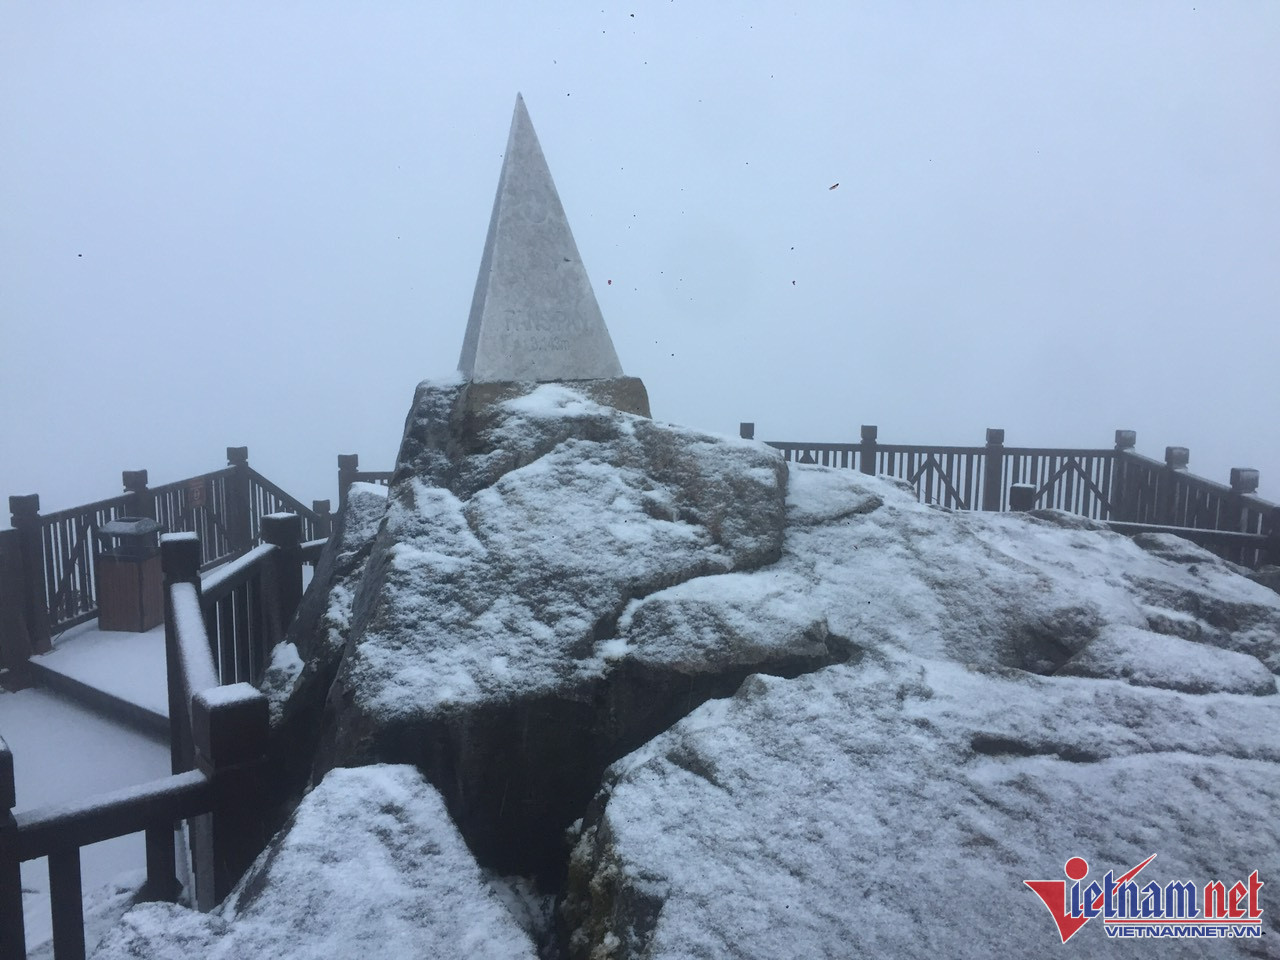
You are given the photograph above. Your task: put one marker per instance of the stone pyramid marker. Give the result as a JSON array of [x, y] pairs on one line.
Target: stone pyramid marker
[[534, 315]]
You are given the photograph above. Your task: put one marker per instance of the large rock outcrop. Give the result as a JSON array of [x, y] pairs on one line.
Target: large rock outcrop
[[1033, 688], [554, 583], [760, 713]]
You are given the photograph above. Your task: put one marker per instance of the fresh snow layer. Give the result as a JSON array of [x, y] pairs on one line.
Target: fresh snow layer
[[129, 666], [892, 806], [370, 866], [515, 587], [62, 752]]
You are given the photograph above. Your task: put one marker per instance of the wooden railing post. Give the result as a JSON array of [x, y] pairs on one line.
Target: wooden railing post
[[13, 937], [1122, 495], [1271, 527], [239, 513], [1175, 463], [66, 903], [230, 726], [1244, 480], [993, 469], [180, 562], [324, 518], [15, 641], [135, 484], [867, 449], [25, 517], [348, 467], [747, 431], [284, 532]]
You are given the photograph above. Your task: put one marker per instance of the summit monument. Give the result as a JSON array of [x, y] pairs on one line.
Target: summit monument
[[534, 316]]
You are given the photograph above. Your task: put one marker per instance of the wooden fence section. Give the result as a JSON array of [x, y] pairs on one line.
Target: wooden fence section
[[1117, 486], [48, 563], [218, 735], [349, 472]]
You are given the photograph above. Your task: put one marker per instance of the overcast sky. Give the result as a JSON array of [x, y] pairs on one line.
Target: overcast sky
[[260, 223]]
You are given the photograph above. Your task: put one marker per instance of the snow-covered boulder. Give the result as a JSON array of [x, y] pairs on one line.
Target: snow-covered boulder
[[893, 808], [1031, 688], [554, 583], [369, 866]]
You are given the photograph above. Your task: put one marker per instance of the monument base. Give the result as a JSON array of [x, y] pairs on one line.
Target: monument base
[[452, 422], [627, 394]]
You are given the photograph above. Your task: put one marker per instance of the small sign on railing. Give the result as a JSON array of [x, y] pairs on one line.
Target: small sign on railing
[[197, 493]]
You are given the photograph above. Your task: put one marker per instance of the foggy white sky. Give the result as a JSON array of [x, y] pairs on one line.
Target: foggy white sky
[[229, 225]]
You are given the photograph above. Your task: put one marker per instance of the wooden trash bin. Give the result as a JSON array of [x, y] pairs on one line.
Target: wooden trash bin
[[130, 581]]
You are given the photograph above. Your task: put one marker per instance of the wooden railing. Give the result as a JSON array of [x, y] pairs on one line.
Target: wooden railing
[[349, 472], [48, 563], [218, 736], [1118, 486]]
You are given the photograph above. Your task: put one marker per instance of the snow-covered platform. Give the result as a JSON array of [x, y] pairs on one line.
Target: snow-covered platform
[[113, 672], [64, 751]]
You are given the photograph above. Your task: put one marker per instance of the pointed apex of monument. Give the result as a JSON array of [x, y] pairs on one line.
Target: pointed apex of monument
[[534, 315]]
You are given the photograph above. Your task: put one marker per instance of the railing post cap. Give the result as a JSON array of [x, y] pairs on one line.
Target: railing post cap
[[281, 529], [1177, 457], [133, 479], [1126, 439], [25, 505], [321, 507], [1022, 496], [870, 431], [1244, 480], [180, 557], [237, 456], [995, 436], [747, 430], [348, 461], [230, 724]]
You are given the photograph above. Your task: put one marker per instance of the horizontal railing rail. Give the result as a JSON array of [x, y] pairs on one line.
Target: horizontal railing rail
[[51, 568], [1116, 485]]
